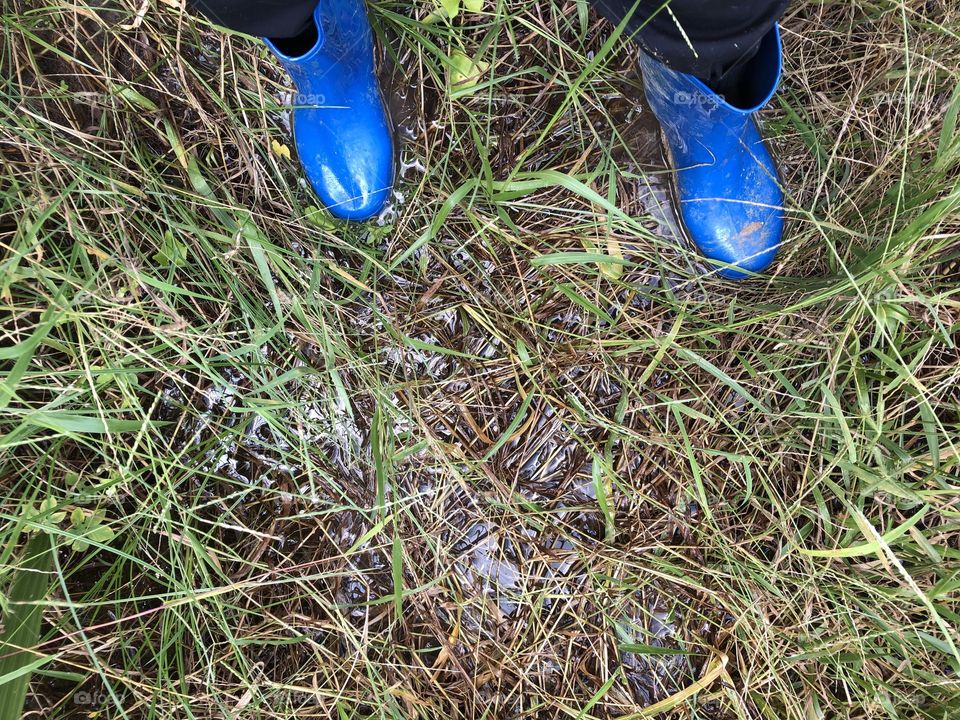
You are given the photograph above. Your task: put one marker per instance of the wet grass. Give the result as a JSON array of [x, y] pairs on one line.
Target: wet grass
[[509, 451]]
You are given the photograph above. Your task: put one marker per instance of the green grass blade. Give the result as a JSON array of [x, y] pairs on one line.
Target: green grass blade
[[21, 626]]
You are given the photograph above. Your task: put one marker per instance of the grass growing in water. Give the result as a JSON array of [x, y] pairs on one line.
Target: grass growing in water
[[508, 453]]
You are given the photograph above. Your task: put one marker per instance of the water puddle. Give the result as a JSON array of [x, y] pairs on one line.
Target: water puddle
[[511, 550]]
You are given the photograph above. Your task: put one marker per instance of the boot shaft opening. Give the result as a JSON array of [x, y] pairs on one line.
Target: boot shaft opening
[[759, 76], [299, 45]]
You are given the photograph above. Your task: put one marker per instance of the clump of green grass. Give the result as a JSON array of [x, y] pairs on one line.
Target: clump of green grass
[[510, 452]]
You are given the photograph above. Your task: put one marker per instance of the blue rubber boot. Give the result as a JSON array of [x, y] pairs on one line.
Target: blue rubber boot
[[730, 198], [340, 125]]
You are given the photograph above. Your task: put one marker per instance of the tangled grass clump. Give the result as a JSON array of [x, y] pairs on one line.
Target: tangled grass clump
[[507, 451]]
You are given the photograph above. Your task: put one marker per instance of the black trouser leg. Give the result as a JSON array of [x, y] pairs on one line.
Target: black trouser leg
[[710, 39], [706, 38], [275, 19]]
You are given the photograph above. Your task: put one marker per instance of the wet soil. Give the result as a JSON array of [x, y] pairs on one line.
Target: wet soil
[[294, 488]]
